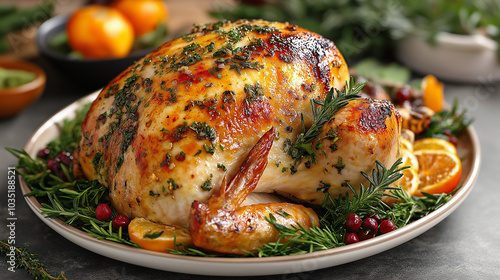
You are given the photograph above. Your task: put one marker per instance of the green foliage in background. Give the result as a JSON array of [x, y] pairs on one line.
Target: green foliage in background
[[371, 27], [14, 19]]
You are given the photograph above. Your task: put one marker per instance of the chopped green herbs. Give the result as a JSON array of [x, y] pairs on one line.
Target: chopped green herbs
[[203, 131], [207, 185], [221, 166]]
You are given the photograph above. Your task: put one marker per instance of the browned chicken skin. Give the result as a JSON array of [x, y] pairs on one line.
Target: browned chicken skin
[[167, 130], [223, 225]]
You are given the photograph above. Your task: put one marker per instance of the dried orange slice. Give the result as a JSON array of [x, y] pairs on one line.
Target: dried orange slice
[[439, 171], [432, 90], [156, 237], [434, 144]]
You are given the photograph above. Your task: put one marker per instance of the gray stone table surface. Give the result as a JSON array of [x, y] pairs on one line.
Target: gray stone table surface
[[465, 245]]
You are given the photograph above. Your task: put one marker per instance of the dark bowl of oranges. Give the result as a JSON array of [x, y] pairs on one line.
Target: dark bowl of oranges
[[95, 43]]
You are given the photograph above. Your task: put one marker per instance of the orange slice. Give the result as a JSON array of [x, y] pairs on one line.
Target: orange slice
[[439, 171], [409, 182], [409, 159], [156, 237], [432, 90], [434, 144], [406, 145]]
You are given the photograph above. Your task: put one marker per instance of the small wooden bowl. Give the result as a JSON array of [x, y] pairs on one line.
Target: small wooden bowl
[[14, 100]]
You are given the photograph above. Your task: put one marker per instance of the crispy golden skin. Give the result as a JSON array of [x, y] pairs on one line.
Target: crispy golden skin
[[222, 225], [167, 130]]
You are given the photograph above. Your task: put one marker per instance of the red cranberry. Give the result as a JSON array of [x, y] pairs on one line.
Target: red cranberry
[[103, 212], [370, 226], [121, 221], [363, 235], [53, 165], [451, 138], [403, 96], [43, 153], [353, 223], [350, 238], [387, 226], [375, 216], [65, 157]]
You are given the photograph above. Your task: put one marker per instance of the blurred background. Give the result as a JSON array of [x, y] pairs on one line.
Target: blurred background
[[459, 38], [396, 40]]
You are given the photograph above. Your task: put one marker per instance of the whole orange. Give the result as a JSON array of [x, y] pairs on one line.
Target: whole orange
[[100, 32], [144, 15]]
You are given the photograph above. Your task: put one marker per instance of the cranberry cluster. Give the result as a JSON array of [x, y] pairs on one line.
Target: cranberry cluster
[[403, 97], [55, 164], [359, 230], [103, 212]]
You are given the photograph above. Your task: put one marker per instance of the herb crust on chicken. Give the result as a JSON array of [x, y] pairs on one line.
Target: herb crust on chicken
[[168, 129]]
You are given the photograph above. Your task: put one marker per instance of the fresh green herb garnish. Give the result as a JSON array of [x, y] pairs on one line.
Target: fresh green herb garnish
[[70, 132], [75, 200], [29, 261], [379, 24], [323, 111], [447, 122], [334, 212], [72, 200]]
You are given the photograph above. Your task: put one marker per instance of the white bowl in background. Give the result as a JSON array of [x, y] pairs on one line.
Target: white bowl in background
[[455, 58]]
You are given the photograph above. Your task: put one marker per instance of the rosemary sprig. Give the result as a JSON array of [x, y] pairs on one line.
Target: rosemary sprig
[[70, 132], [106, 232], [366, 199], [411, 208], [447, 122], [29, 261], [73, 216], [73, 200], [299, 240], [323, 111], [186, 249]]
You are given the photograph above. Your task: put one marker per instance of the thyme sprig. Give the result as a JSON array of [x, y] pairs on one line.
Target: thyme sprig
[[323, 111], [29, 261]]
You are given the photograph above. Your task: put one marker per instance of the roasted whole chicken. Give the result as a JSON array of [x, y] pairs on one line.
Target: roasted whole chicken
[[169, 129]]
